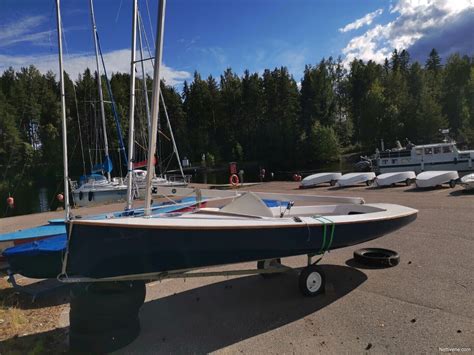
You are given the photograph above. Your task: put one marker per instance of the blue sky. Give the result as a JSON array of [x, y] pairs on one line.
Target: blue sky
[[211, 35]]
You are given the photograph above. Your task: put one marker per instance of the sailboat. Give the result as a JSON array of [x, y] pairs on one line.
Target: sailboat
[[96, 188], [238, 229]]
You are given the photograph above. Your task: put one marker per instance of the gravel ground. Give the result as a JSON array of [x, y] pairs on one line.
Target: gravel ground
[[423, 305]]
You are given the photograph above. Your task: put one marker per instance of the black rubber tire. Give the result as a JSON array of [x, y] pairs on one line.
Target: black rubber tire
[[452, 184], [304, 279], [332, 182], [408, 182], [369, 182], [261, 266], [377, 257], [106, 298], [104, 342]]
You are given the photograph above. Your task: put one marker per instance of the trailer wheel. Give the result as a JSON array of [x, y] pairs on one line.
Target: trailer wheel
[[408, 182], [332, 182], [266, 264], [452, 184], [312, 281], [369, 182]]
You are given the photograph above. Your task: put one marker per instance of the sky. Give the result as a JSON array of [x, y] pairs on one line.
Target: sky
[[209, 36]]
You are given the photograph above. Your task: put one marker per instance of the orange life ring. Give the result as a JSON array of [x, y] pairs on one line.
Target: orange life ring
[[234, 180]]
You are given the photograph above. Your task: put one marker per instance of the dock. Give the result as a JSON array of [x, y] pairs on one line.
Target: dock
[[423, 305]]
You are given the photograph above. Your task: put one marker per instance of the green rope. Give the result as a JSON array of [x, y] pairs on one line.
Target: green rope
[[325, 221]]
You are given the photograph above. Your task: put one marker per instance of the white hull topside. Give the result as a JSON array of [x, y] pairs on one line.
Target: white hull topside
[[355, 179], [388, 179], [467, 182], [435, 178], [320, 178]]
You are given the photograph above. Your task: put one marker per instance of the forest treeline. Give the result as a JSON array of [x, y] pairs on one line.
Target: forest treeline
[[268, 118]]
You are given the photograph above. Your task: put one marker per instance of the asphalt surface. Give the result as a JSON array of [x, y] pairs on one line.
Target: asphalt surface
[[423, 305]]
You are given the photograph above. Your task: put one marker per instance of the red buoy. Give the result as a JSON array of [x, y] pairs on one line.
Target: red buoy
[[60, 197], [10, 201]]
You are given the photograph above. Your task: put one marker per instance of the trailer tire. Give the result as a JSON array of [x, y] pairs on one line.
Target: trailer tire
[[333, 182], [369, 182], [452, 184], [377, 257], [312, 281], [408, 182]]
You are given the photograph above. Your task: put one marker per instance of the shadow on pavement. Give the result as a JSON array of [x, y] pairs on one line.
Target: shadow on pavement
[[53, 341], [214, 316]]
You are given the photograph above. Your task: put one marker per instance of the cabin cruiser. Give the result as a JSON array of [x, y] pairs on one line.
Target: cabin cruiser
[[419, 158]]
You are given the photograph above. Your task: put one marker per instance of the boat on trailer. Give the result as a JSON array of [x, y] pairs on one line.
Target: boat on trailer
[[467, 182], [243, 230], [320, 178], [352, 179], [391, 179], [437, 178]]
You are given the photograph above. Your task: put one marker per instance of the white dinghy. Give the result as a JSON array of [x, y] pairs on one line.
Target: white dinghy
[[467, 182], [390, 179], [436, 178], [352, 179], [320, 178]]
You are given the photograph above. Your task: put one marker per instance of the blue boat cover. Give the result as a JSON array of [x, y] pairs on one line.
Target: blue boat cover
[[51, 245], [36, 232]]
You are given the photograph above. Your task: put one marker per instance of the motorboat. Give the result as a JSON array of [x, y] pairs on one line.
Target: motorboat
[[352, 179], [245, 229], [391, 179], [320, 178], [436, 178], [418, 158], [467, 182]]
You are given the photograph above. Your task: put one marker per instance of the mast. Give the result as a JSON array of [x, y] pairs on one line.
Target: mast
[[67, 208], [99, 84], [131, 129], [155, 103]]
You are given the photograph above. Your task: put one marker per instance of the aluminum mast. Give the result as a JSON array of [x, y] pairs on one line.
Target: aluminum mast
[[155, 104], [131, 124], [99, 84], [67, 208]]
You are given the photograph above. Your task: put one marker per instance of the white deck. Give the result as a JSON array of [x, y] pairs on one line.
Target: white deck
[[389, 179], [435, 178], [320, 178]]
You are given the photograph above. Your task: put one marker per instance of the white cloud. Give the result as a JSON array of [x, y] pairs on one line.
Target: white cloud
[[364, 21], [415, 21], [24, 30], [75, 64]]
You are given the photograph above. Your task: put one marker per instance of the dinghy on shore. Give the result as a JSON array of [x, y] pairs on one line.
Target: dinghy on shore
[[436, 178], [320, 178], [390, 179], [245, 229], [352, 179], [467, 182]]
